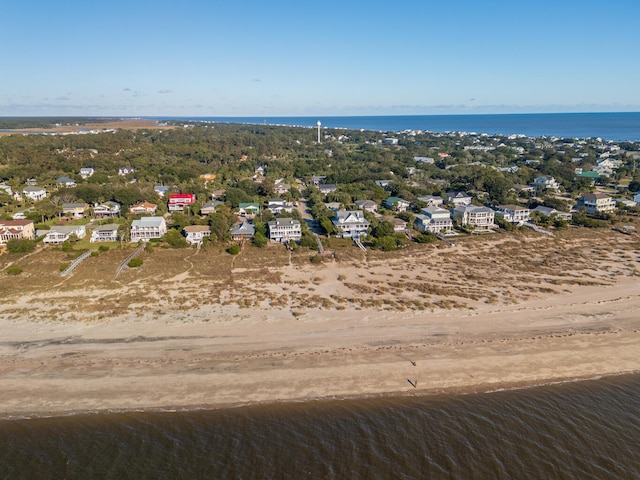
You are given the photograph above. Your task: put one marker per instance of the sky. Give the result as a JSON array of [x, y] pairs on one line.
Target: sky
[[330, 58]]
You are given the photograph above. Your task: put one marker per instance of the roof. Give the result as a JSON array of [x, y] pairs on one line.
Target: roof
[[249, 205], [394, 200], [283, 222], [148, 222], [196, 228], [244, 228], [107, 226], [15, 223]]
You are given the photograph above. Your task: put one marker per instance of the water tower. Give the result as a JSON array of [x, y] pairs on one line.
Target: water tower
[[319, 123]]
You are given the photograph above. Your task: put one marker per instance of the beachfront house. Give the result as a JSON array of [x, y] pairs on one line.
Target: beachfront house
[[62, 233], [480, 218], [243, 231], [147, 228], [196, 233], [596, 203], [434, 219], [549, 212], [513, 213], [105, 233], [284, 229], [351, 223], [16, 230]]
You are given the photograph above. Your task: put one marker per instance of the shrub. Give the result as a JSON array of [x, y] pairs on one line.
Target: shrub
[[14, 271], [233, 249], [316, 259], [135, 262], [63, 267], [260, 240], [20, 246], [95, 253], [426, 237], [148, 247], [103, 248]]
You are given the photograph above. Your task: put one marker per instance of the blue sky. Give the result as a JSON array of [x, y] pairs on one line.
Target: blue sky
[[250, 57]]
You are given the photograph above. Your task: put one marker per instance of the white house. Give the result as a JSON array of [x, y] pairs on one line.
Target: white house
[[62, 233], [34, 193], [458, 198], [367, 205], [106, 209], [396, 203], [86, 172], [105, 233], [351, 223], [66, 182], [161, 190], [196, 233], [147, 228], [481, 218], [548, 212], [545, 182], [514, 213], [123, 171], [431, 200], [278, 205], [434, 219], [284, 229], [594, 203]]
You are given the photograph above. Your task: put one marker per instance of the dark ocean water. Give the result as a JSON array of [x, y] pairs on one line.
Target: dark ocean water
[[608, 126], [581, 430]]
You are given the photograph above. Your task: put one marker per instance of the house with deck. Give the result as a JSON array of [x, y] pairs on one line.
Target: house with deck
[[16, 230], [106, 209], [61, 233], [178, 201], [147, 228], [105, 233], [351, 223], [284, 229], [196, 233], [514, 213], [480, 218], [75, 210], [243, 231], [143, 208], [458, 198], [434, 219], [34, 193], [596, 203]]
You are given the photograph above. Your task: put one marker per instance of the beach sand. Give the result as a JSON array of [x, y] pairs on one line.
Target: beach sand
[[212, 330]]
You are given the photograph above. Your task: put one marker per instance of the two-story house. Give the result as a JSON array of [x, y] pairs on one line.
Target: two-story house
[[147, 228], [351, 223], [284, 229], [434, 219]]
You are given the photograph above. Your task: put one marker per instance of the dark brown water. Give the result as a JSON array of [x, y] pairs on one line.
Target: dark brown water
[[581, 430]]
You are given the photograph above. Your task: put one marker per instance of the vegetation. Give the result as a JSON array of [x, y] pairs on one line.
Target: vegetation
[[20, 246], [233, 249], [14, 271], [135, 262]]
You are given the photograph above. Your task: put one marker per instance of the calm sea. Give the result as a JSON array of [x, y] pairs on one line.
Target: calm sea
[[608, 126], [581, 430]]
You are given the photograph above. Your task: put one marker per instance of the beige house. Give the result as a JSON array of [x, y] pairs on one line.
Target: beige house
[[514, 213], [196, 233], [143, 208], [434, 219], [16, 230]]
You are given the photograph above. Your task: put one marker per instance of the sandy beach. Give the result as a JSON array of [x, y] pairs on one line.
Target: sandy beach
[[204, 329]]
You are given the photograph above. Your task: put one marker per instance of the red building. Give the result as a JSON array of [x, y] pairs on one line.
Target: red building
[[177, 201]]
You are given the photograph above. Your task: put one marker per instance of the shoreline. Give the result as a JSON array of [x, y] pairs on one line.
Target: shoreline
[[387, 397], [338, 331]]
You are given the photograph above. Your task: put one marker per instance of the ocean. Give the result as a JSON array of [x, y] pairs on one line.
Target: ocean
[[608, 126], [578, 430]]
